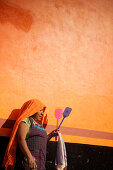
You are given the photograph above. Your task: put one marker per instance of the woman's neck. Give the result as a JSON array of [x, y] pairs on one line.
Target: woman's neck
[[36, 121]]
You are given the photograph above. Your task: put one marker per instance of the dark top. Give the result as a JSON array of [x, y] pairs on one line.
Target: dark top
[[36, 141]]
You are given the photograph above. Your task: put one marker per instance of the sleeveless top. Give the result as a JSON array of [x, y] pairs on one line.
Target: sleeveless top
[[36, 141]]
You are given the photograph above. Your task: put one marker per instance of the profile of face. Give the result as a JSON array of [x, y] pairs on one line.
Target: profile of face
[[39, 115]]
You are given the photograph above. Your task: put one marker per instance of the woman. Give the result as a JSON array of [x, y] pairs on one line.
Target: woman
[[31, 136]]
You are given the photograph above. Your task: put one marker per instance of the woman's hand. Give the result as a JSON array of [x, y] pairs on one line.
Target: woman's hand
[[53, 133], [32, 164]]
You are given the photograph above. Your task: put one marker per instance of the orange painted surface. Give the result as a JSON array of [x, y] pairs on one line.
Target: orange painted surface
[[61, 53]]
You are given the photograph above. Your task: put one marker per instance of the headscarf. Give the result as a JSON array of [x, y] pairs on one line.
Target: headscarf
[[28, 109]]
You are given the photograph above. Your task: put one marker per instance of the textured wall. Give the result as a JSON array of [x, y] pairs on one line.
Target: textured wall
[[59, 51]]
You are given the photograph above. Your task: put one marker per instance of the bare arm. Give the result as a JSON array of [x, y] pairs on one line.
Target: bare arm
[[21, 136]]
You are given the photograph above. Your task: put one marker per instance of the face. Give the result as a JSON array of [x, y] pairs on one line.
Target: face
[[39, 115]]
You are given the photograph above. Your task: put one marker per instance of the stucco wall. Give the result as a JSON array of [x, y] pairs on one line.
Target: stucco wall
[[59, 51]]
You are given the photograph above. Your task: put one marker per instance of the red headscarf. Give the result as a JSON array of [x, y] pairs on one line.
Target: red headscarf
[[28, 109]]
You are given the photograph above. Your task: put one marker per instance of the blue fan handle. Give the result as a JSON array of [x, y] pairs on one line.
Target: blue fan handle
[[61, 122]]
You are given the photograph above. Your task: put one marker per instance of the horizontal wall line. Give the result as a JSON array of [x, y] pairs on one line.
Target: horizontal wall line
[[82, 132], [8, 124]]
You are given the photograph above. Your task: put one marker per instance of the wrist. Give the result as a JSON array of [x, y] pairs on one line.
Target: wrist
[[29, 157]]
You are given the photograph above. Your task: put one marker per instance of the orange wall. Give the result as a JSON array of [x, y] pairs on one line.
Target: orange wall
[[61, 53]]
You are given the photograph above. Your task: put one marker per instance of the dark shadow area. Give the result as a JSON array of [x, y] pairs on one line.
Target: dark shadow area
[[3, 145], [79, 156], [10, 121], [82, 157]]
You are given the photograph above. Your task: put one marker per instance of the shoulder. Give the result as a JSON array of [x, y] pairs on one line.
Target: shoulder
[[27, 121]]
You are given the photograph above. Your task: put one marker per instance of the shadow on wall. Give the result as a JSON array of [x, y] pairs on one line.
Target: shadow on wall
[[20, 18], [11, 119]]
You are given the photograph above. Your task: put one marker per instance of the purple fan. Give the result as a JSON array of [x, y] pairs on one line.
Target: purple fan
[[66, 113]]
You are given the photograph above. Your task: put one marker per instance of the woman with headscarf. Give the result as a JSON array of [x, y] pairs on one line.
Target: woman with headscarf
[[31, 136]]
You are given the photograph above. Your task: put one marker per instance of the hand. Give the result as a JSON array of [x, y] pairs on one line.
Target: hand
[[32, 164], [55, 132]]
